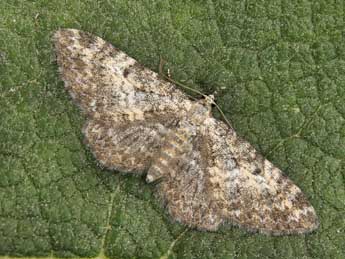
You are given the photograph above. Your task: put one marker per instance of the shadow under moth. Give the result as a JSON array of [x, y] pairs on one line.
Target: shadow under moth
[[139, 123]]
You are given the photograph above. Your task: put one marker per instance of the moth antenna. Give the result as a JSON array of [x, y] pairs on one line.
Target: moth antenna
[[168, 78]]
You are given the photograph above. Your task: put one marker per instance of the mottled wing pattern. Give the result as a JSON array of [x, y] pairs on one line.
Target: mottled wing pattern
[[126, 147], [211, 176], [128, 106], [205, 174], [184, 186], [255, 194]]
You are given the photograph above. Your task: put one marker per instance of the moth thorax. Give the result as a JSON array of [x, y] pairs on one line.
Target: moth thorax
[[200, 111]]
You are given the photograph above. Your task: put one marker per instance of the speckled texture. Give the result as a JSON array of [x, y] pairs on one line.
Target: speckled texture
[[278, 70], [206, 175]]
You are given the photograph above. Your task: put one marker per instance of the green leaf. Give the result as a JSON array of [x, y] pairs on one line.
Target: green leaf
[[278, 70]]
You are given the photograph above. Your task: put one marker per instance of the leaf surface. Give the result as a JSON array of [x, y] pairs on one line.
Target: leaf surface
[[277, 69]]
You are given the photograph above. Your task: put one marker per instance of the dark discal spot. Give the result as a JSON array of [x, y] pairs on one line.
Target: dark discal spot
[[126, 72], [256, 171]]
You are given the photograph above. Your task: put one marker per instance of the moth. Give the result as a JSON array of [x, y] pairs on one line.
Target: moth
[[205, 175]]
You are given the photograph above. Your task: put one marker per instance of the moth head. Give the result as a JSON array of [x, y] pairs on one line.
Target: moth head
[[208, 102], [209, 99]]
